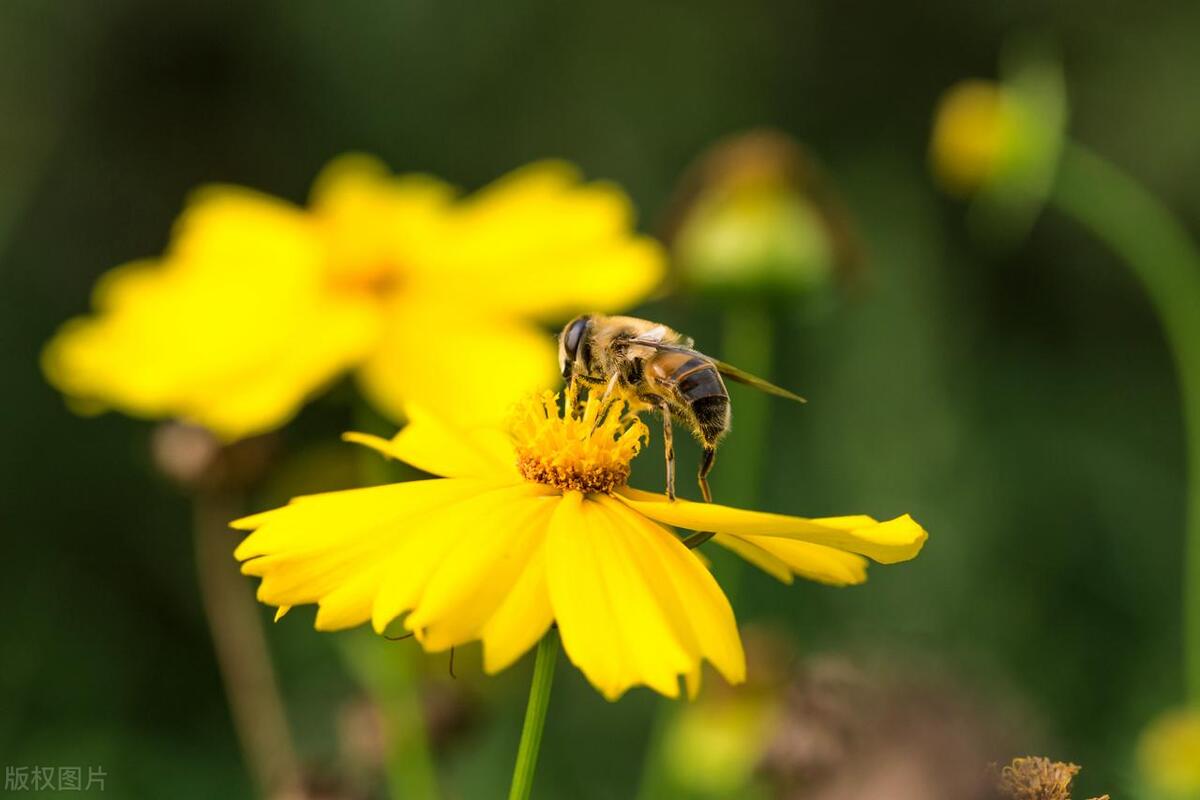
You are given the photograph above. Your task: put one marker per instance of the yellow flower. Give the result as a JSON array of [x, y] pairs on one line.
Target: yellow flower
[[999, 142], [973, 131], [257, 304], [713, 748], [1169, 753], [536, 527]]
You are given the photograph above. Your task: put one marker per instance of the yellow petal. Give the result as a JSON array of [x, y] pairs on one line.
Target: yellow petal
[[580, 601], [476, 576], [433, 444], [624, 598], [522, 619], [595, 634], [318, 515], [375, 224], [414, 559], [784, 558], [232, 330], [465, 366], [540, 242], [349, 604], [334, 338], [391, 554], [896, 540], [707, 609], [330, 548], [764, 560]]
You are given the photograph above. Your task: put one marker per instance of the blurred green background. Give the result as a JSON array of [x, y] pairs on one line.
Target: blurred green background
[[1019, 402]]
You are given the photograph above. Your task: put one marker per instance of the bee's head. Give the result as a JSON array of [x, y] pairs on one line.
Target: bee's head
[[573, 347]]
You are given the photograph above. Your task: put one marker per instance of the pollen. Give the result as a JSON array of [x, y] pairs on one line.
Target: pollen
[[577, 444]]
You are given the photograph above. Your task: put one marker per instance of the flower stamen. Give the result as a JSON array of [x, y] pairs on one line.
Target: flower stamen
[[573, 446]]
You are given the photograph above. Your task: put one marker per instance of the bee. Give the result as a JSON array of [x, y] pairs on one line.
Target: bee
[[659, 367]]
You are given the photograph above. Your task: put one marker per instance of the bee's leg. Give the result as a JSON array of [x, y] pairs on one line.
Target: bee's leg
[[602, 414], [706, 465], [656, 403], [668, 449], [610, 388], [580, 379]]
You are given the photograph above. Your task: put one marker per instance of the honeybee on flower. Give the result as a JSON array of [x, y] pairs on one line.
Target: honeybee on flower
[[658, 368], [535, 526]]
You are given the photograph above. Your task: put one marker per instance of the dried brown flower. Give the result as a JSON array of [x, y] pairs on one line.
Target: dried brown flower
[[1038, 778]]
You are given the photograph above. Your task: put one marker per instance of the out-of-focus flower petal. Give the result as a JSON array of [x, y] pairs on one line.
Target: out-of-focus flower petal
[[232, 331], [463, 365], [540, 242], [376, 225], [257, 303]]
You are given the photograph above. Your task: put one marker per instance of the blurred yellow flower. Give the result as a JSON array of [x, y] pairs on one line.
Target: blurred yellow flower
[[538, 526], [257, 303], [1000, 142], [712, 748], [1169, 753], [973, 132]]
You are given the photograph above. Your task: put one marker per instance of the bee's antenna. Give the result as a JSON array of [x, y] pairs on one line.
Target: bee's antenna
[[399, 638], [452, 675]]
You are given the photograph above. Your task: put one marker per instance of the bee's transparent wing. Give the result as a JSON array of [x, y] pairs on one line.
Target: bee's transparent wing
[[728, 370], [741, 376]]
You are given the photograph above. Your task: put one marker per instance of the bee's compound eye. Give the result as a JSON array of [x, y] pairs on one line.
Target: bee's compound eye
[[573, 335], [569, 344]]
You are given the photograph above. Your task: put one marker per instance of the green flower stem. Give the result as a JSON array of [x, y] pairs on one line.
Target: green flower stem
[[535, 717], [1146, 235], [747, 343], [243, 658]]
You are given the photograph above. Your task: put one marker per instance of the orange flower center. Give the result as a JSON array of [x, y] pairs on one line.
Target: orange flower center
[[377, 280], [583, 447]]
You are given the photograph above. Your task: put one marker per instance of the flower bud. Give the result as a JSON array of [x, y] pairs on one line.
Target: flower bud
[[998, 142], [753, 215], [974, 131]]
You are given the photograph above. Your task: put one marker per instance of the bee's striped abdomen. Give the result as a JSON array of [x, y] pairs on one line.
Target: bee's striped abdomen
[[700, 386]]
